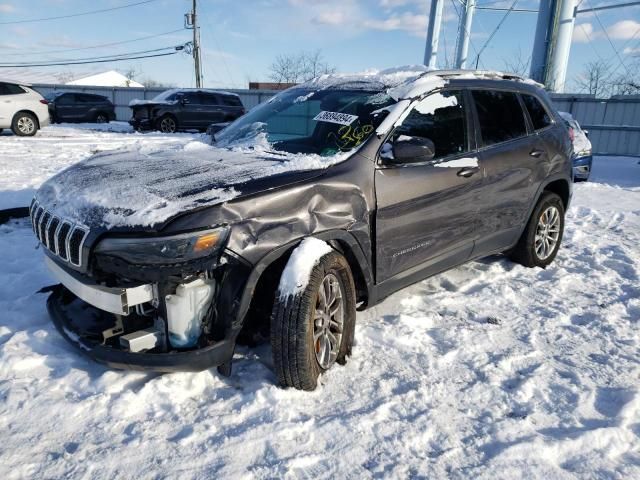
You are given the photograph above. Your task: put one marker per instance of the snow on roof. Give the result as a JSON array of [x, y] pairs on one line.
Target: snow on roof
[[407, 82], [106, 79]]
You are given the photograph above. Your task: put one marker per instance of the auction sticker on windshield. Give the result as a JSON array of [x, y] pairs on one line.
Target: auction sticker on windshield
[[336, 117]]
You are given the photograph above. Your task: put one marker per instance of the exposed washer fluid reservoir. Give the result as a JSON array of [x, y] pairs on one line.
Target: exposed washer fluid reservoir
[[186, 310]]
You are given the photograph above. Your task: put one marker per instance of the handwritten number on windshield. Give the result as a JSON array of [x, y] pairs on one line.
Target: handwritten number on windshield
[[349, 137]]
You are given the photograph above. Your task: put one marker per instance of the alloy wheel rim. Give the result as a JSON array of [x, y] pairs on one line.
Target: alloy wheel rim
[[547, 232], [101, 119], [26, 125], [328, 321], [167, 125]]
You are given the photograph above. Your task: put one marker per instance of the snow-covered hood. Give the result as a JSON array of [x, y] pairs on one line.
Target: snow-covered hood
[[143, 187]]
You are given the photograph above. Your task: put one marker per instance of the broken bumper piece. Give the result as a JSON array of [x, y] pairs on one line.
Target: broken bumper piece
[[73, 318]]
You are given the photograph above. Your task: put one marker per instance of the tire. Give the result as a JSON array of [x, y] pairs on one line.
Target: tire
[[541, 239], [24, 124], [101, 118], [298, 360], [168, 124]]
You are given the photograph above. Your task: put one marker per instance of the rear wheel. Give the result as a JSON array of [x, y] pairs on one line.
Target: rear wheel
[[314, 328], [24, 124], [167, 124], [540, 241]]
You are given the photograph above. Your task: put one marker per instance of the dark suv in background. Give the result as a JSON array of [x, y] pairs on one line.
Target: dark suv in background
[[80, 107], [185, 109], [324, 200]]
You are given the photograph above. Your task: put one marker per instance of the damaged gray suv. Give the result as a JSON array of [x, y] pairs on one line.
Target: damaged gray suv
[[322, 201]]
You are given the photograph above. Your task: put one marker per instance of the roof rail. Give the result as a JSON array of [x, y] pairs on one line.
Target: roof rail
[[483, 74]]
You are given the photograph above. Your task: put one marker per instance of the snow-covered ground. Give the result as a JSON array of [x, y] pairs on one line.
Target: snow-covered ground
[[489, 371]]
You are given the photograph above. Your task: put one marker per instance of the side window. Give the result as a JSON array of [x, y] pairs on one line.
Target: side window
[[500, 114], [538, 114], [66, 99], [10, 89], [231, 101], [440, 117], [209, 99], [192, 98]]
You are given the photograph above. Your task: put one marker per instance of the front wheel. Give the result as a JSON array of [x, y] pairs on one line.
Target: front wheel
[[168, 124], [313, 328], [24, 124], [540, 241], [102, 118]]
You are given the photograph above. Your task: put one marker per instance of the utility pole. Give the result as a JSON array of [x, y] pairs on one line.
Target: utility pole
[[552, 43], [433, 34], [191, 22], [558, 54], [464, 34]]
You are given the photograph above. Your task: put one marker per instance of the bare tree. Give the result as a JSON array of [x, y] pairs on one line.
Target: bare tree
[[517, 63], [299, 67], [131, 75], [152, 83], [64, 77], [593, 79]]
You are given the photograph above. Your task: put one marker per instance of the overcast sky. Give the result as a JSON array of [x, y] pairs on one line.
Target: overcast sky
[[240, 38]]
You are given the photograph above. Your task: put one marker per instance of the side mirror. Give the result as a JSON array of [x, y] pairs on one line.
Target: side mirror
[[586, 133], [184, 100], [413, 149]]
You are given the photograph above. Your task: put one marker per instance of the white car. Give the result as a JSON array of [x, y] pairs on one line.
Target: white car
[[22, 109]]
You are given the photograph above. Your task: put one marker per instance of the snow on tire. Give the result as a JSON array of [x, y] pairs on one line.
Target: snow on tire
[[313, 318]]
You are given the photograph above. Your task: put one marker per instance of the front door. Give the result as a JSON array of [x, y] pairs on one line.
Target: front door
[[426, 212]]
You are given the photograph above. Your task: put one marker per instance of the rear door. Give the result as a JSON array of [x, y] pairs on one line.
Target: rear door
[[212, 110], [67, 108], [426, 212], [509, 156], [190, 111]]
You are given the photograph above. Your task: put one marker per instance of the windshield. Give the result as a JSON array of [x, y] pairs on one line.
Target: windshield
[[166, 96], [323, 122]]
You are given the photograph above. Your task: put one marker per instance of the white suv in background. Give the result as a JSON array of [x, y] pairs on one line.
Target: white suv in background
[[22, 109]]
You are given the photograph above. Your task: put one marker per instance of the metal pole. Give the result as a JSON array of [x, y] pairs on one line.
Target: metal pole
[[560, 46], [433, 34], [541, 41], [465, 33], [196, 46]]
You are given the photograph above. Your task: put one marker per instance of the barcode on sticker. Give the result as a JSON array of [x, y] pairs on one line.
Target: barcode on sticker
[[336, 117]]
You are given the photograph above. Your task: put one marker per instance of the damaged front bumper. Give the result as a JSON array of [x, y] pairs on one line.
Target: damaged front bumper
[[62, 304]]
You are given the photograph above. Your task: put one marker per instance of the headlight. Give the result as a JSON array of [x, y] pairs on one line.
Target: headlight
[[165, 250], [583, 153]]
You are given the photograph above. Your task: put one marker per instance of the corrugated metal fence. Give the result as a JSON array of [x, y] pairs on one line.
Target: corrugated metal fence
[[613, 124]]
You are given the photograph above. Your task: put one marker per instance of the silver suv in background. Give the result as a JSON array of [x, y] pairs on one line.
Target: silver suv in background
[[22, 109]]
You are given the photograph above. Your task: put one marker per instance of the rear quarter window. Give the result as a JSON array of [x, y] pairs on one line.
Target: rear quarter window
[[231, 101], [500, 115], [539, 116]]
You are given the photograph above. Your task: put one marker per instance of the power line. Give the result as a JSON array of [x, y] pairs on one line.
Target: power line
[[502, 20], [46, 52], [113, 55], [609, 40], [87, 62], [73, 15]]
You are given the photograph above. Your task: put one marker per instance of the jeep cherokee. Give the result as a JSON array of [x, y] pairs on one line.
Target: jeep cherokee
[[322, 201]]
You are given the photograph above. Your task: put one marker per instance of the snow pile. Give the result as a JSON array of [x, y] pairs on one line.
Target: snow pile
[[489, 371], [25, 164], [300, 265]]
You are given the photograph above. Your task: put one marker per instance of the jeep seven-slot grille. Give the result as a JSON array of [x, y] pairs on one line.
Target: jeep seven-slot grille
[[60, 236]]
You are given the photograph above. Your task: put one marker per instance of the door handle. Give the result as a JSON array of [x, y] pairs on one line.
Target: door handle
[[536, 153], [468, 171]]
